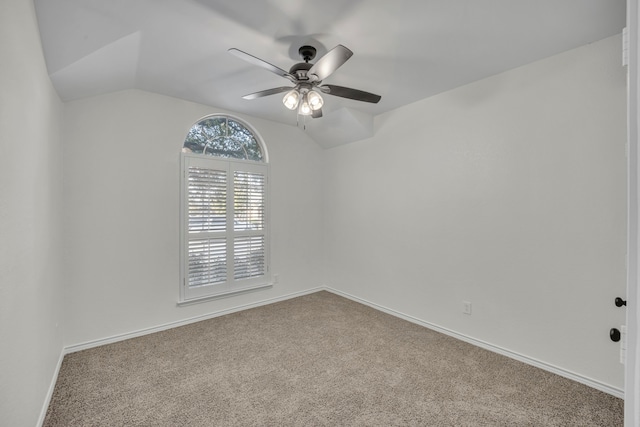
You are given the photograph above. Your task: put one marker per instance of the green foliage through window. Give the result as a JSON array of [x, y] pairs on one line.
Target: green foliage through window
[[222, 136]]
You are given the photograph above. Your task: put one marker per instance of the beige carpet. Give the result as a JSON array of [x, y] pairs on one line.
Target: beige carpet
[[315, 360]]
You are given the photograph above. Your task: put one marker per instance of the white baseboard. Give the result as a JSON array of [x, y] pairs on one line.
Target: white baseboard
[[140, 332], [52, 386], [617, 392]]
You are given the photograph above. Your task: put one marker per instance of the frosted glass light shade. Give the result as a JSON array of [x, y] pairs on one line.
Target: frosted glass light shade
[[291, 99], [315, 100], [305, 109]]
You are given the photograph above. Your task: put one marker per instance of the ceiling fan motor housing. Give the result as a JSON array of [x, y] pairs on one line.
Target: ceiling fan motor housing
[[300, 70]]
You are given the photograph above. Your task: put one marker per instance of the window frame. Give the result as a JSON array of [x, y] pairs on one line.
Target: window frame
[[231, 286]]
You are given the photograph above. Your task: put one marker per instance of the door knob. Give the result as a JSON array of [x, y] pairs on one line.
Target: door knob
[[620, 302], [614, 334]]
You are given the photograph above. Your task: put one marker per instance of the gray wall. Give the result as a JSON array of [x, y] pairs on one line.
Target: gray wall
[[509, 193], [30, 219]]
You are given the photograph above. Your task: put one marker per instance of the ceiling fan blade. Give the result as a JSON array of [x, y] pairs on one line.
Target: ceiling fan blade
[[347, 92], [316, 114], [267, 92], [330, 62], [260, 63]]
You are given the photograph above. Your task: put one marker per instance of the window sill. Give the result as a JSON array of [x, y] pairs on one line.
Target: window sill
[[222, 295]]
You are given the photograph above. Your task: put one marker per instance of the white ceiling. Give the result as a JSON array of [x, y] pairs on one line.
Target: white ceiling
[[404, 50]]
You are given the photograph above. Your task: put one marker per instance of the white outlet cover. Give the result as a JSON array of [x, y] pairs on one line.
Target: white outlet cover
[[466, 307]]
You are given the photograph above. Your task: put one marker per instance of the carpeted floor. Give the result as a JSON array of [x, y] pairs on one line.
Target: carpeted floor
[[316, 360]]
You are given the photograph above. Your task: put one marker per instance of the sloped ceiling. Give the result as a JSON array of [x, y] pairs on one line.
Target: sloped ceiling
[[404, 50]]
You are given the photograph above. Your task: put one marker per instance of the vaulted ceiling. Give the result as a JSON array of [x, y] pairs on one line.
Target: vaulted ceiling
[[404, 50]]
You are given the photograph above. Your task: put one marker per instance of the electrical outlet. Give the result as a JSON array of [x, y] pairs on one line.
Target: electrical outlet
[[275, 278], [466, 307]]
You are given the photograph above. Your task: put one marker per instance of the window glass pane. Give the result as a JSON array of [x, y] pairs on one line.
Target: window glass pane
[[215, 126], [223, 137], [248, 201], [245, 138], [226, 147], [203, 133]]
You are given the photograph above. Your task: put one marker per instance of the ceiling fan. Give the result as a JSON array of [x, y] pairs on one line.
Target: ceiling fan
[[307, 78]]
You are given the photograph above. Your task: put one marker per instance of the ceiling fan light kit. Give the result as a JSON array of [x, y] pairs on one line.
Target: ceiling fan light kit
[[305, 95], [307, 101]]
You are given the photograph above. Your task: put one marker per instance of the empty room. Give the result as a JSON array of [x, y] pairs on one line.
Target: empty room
[[296, 213]]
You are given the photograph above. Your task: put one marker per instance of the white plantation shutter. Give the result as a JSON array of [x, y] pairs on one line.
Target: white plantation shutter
[[249, 224], [248, 252], [249, 194], [207, 199], [207, 262], [224, 216]]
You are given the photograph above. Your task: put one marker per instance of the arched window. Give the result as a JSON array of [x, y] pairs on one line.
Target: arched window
[[223, 136], [224, 216]]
